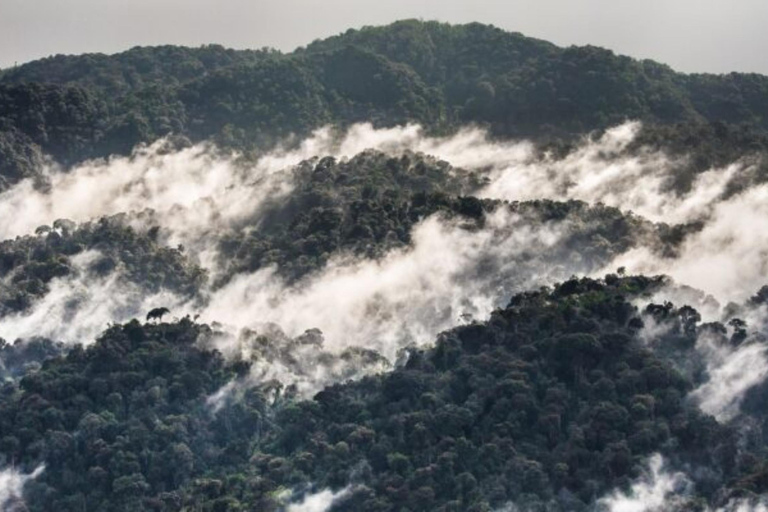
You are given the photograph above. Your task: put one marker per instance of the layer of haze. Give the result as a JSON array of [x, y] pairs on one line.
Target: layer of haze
[[447, 275], [410, 295], [693, 36]]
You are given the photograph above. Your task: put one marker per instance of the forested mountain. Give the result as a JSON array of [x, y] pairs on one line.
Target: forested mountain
[[438, 75], [412, 267], [553, 401]]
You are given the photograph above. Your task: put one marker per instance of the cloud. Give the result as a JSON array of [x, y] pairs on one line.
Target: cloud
[[12, 484], [197, 192], [80, 306], [407, 296], [661, 490], [732, 372], [728, 257], [301, 364], [193, 193], [404, 298], [320, 501], [730, 366], [450, 273], [656, 491], [605, 170], [745, 505], [201, 188]]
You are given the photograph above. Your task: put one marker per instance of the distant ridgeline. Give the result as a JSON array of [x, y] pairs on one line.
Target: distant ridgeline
[[73, 108], [554, 401]]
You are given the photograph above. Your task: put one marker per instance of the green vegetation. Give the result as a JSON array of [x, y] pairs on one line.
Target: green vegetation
[[29, 263], [442, 76], [553, 400], [369, 204], [364, 207]]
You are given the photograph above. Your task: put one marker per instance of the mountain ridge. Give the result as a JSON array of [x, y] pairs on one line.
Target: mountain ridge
[[438, 75]]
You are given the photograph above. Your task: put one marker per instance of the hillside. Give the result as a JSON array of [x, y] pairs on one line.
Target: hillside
[[438, 75], [553, 400], [416, 267]]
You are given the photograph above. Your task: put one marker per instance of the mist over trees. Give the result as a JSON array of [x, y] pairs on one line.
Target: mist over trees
[[438, 75], [381, 273], [555, 400]]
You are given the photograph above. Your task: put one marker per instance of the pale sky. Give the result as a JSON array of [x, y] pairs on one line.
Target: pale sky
[[689, 35]]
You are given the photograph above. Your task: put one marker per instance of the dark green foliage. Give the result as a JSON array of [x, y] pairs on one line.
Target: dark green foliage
[[63, 121], [522, 86], [370, 204], [134, 69], [115, 422], [364, 206], [706, 146], [253, 104], [439, 75], [552, 400], [29, 263], [24, 355], [20, 158]]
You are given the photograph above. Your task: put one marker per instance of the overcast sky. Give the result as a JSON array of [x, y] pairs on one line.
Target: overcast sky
[[689, 35]]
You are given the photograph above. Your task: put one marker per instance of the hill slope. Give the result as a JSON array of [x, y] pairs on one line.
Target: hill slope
[[439, 75], [379, 316], [555, 400]]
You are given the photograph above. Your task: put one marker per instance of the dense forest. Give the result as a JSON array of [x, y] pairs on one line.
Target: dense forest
[[441, 76], [551, 402], [259, 301], [366, 207]]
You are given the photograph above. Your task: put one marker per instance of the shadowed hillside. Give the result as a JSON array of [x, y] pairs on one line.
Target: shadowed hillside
[[554, 400], [442, 76]]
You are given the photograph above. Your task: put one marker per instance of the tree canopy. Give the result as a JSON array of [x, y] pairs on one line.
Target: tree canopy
[[442, 76], [553, 401]]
